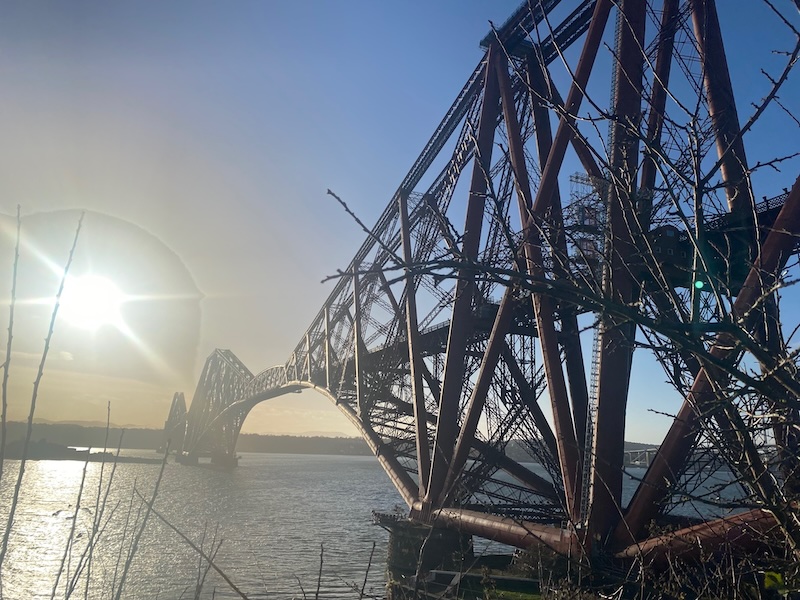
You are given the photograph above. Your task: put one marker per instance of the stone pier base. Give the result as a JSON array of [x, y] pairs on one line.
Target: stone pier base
[[415, 549], [225, 461]]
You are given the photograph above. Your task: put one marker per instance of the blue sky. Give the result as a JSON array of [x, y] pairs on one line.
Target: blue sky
[[214, 129]]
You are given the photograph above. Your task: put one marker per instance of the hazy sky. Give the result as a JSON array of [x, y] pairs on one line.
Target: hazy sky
[[201, 137]]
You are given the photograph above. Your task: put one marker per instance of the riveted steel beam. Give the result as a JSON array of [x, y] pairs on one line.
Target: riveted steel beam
[[477, 400], [657, 105], [722, 109], [616, 342], [461, 321], [540, 90], [568, 453], [328, 349], [552, 167], [414, 356], [521, 534], [361, 401]]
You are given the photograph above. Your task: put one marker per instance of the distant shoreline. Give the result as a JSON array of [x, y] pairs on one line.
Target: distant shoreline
[[72, 435], [96, 437], [44, 450]]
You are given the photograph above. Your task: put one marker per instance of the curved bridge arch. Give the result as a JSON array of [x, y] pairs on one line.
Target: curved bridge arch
[[438, 344], [402, 481], [218, 434]]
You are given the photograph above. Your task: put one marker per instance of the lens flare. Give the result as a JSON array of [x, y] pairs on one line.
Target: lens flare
[[90, 302]]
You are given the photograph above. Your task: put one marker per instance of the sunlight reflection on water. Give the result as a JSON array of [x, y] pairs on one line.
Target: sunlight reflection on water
[[272, 513]]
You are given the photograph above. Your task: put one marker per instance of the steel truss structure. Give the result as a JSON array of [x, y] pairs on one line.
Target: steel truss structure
[[448, 346]]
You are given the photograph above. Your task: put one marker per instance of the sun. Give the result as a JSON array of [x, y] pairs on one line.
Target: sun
[[90, 302]]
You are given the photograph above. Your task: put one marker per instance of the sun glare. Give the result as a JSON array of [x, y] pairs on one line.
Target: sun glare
[[91, 301]]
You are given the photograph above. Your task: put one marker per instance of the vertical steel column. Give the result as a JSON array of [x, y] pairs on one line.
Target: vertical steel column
[[658, 101], [552, 167], [568, 452], [570, 335], [742, 236], [360, 400], [617, 338], [722, 109], [677, 444], [327, 347], [540, 86], [414, 356], [308, 357], [477, 400], [649, 171], [461, 321]]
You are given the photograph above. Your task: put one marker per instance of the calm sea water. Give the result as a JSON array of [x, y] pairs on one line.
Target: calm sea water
[[272, 514]]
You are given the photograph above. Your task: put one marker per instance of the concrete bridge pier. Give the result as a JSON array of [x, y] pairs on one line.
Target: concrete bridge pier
[[225, 460], [186, 458], [415, 549]]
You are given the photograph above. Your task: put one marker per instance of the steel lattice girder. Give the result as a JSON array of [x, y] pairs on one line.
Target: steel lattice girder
[[427, 343]]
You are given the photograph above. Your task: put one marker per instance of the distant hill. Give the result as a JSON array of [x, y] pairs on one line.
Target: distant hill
[[85, 423], [71, 434], [639, 446]]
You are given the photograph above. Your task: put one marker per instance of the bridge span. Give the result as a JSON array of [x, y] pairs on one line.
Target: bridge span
[[464, 319]]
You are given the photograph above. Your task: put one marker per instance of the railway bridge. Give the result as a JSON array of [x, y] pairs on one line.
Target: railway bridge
[[464, 319]]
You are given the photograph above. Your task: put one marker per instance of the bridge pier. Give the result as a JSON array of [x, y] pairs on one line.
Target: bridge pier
[[227, 461], [187, 459], [415, 548]]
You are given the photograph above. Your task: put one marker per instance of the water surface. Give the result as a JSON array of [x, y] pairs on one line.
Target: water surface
[[272, 514]]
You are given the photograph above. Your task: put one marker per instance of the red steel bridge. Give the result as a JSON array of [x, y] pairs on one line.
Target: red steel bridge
[[464, 321]]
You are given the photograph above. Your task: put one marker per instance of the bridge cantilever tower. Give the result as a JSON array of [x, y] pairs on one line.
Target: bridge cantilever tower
[[456, 331]]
